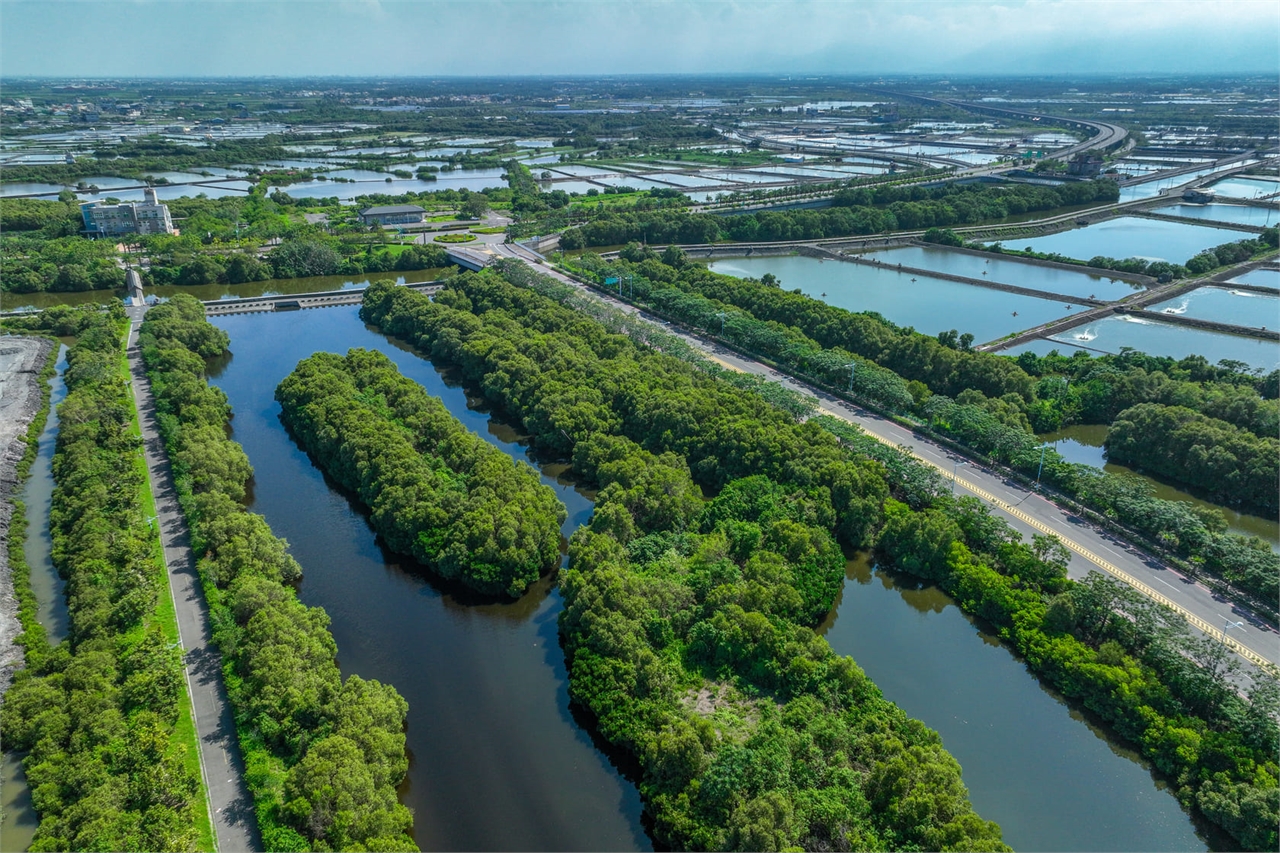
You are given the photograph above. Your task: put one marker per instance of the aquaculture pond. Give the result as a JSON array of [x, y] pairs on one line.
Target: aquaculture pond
[[1262, 276], [1238, 214], [1242, 187], [500, 761], [1084, 444], [1225, 304], [931, 305], [1149, 335], [1133, 237], [1008, 271]]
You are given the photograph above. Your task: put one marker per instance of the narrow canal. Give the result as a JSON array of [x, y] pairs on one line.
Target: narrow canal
[[37, 496], [1051, 778], [18, 820], [1084, 444], [499, 761]]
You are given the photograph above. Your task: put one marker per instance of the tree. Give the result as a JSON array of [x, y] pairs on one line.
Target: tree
[[475, 207]]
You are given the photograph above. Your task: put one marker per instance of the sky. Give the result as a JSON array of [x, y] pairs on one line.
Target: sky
[[233, 38]]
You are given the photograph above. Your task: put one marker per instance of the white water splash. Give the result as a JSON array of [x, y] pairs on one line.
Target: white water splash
[[1086, 336], [1129, 318], [1244, 293], [1180, 309]]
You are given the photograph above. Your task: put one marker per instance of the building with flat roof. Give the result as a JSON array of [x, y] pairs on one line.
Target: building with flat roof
[[147, 217], [392, 214]]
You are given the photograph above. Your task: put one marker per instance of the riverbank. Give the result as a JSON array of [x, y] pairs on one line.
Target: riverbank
[[23, 361]]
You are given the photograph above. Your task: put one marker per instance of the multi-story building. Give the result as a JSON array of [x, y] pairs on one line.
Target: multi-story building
[[147, 217]]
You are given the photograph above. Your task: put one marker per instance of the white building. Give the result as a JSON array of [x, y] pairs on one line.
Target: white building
[[147, 217]]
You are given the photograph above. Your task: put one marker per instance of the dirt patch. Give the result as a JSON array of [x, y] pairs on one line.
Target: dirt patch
[[21, 361]]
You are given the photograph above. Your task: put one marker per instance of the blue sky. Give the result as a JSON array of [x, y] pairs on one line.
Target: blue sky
[[445, 37]]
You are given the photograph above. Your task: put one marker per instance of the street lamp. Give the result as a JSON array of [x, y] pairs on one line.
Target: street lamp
[[1041, 468], [853, 365], [721, 315], [955, 470], [1227, 625]]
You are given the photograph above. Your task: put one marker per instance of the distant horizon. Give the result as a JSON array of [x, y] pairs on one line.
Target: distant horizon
[[690, 75], [299, 39]]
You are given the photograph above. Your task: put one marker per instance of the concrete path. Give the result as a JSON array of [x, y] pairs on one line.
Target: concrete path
[[230, 806], [1028, 512]]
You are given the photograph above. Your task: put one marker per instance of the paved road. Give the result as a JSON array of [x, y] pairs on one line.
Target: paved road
[[230, 805], [1092, 549]]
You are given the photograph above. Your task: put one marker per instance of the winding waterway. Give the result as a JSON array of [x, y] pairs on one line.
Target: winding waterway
[[499, 761]]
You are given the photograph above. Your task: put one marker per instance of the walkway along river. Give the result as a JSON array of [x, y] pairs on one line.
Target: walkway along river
[[499, 760]]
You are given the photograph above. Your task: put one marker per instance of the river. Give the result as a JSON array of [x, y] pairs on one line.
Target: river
[[499, 761]]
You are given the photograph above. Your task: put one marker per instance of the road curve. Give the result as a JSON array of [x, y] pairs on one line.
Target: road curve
[[230, 806], [1028, 512]]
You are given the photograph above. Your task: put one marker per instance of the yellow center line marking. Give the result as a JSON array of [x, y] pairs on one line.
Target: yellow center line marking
[[723, 363], [1212, 630]]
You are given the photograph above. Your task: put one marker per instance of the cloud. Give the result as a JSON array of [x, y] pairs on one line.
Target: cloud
[[396, 37]]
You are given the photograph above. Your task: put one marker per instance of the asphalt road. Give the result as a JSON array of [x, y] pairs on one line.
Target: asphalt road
[[230, 805], [1092, 549]]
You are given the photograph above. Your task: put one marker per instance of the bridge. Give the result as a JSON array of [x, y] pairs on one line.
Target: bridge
[[296, 301]]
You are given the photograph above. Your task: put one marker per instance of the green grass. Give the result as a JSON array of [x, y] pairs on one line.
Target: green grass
[[166, 616]]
